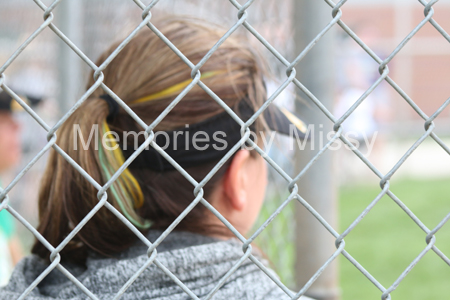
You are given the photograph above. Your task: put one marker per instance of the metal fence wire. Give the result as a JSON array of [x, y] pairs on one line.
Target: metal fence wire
[[242, 15]]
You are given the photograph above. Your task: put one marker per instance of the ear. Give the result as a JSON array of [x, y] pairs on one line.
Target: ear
[[236, 180]]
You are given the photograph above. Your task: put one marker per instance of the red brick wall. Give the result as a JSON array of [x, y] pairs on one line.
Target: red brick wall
[[422, 68]]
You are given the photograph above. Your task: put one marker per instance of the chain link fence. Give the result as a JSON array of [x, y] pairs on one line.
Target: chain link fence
[[243, 14]]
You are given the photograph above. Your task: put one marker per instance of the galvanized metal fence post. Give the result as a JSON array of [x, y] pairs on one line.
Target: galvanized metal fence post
[[314, 244], [69, 67]]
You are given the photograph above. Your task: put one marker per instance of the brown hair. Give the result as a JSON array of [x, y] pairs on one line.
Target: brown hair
[[144, 67]]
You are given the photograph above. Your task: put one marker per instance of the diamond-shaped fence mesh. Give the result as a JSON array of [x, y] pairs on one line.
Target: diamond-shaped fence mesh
[[242, 12]]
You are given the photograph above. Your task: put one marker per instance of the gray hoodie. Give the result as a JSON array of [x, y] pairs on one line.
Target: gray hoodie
[[198, 261]]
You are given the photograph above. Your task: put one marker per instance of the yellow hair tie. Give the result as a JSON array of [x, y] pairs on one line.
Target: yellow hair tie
[[173, 89]]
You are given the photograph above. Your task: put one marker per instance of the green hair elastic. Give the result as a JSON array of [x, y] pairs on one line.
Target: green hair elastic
[[128, 188]]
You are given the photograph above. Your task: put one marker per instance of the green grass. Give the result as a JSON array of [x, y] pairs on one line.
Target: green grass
[[387, 240]]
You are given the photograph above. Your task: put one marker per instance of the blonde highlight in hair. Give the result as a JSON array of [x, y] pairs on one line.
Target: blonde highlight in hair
[[147, 76]]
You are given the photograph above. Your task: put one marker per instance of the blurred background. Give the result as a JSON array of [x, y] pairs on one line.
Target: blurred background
[[387, 240]]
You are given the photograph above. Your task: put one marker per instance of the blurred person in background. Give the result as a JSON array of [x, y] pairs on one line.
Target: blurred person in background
[[367, 125], [10, 154]]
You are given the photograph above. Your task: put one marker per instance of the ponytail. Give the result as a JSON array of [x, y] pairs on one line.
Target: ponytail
[[66, 197]]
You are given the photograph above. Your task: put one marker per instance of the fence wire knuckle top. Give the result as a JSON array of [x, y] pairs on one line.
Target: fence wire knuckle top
[[242, 16]]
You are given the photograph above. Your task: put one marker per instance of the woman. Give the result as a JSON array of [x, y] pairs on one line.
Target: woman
[[10, 152], [151, 193]]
